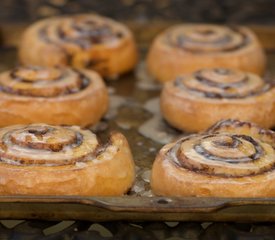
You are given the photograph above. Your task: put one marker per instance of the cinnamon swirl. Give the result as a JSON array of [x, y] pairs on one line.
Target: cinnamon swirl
[[232, 159], [82, 41], [188, 47], [40, 159], [51, 95], [196, 101]]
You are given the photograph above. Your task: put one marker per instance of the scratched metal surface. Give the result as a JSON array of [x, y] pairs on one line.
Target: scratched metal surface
[[127, 113]]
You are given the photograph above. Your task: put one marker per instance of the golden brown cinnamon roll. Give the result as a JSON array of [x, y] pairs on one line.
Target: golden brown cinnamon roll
[[82, 41], [188, 47], [41, 159], [196, 101], [51, 95], [232, 159]]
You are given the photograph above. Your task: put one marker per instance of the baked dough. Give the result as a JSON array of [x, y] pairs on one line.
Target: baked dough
[[51, 95], [232, 159], [82, 41], [194, 102], [41, 159], [186, 48]]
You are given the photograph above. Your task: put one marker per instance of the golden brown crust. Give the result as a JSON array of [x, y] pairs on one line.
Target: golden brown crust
[[97, 171], [32, 94], [219, 166], [195, 102], [82, 41], [186, 48]]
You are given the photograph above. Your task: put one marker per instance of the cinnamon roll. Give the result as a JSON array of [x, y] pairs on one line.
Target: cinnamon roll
[[186, 48], [194, 102], [40, 159], [82, 41], [51, 95], [232, 159]]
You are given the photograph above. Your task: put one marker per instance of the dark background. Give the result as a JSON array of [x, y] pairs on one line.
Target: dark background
[[216, 11]]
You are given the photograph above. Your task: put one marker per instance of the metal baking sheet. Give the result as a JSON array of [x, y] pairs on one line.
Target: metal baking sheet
[[133, 108], [137, 208]]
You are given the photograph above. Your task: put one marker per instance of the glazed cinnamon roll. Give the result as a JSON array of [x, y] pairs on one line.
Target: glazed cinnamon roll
[[40, 159], [51, 95], [232, 159], [188, 47], [82, 41], [196, 101]]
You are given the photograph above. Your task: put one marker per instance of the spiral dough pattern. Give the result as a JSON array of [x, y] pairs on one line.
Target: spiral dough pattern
[[207, 38], [224, 155], [194, 102], [38, 144], [40, 159], [43, 82], [222, 83], [80, 32], [186, 48], [51, 95], [231, 159], [82, 41]]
